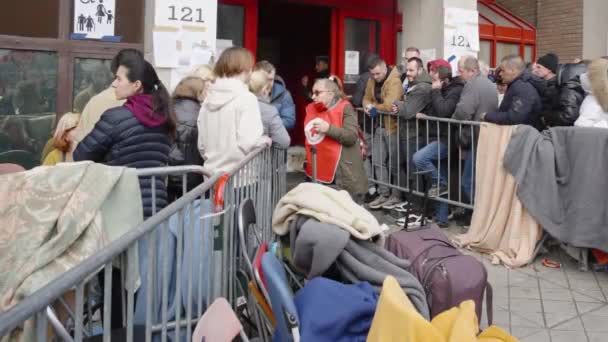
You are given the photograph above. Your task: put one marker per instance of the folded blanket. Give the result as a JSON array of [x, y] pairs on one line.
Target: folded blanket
[[500, 226], [317, 246], [52, 218], [561, 181], [326, 205]]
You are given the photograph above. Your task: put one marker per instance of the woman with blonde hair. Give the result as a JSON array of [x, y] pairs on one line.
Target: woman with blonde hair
[[230, 123], [260, 85], [204, 72], [187, 99], [63, 140], [331, 126]]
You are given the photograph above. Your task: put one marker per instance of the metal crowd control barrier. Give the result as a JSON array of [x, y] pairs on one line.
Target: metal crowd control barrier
[[260, 177], [171, 266], [391, 166]]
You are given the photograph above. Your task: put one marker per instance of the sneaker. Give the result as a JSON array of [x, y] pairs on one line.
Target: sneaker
[[411, 221], [435, 191], [402, 207], [377, 203], [391, 203], [369, 197]]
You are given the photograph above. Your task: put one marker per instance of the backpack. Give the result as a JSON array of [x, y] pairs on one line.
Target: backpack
[[447, 276]]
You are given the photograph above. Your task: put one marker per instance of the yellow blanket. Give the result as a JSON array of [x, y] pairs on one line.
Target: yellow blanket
[[396, 320]]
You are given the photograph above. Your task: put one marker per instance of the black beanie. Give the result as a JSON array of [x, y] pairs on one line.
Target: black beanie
[[549, 61]]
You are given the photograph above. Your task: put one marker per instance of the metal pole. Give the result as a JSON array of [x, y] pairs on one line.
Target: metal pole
[[313, 150]]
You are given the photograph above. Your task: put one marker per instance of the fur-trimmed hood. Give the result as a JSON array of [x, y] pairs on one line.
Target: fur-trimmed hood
[[598, 78]]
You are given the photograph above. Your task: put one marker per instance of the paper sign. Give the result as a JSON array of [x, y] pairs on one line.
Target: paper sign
[[461, 35], [165, 49], [94, 18], [221, 45], [351, 62], [461, 28], [189, 16]]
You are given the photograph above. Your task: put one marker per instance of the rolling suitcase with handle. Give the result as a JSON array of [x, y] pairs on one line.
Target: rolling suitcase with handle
[[448, 276]]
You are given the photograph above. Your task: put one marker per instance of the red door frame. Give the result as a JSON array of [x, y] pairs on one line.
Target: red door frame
[[386, 46], [340, 11], [250, 39], [385, 12]]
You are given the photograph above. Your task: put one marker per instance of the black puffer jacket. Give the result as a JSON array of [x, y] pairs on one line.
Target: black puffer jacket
[[184, 150], [120, 139], [563, 96], [443, 105], [522, 103]]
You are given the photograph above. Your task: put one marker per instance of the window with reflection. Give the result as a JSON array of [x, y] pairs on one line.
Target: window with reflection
[[231, 23], [28, 92], [363, 36], [91, 76], [505, 49]]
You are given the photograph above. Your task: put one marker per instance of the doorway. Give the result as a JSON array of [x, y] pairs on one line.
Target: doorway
[[290, 36]]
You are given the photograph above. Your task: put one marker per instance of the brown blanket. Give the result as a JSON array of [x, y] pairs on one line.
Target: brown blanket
[[500, 226]]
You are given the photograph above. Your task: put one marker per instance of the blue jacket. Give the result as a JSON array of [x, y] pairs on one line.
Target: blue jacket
[[334, 312], [522, 103], [120, 139], [281, 99]]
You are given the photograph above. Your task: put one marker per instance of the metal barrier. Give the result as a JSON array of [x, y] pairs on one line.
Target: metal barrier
[[262, 178], [185, 253], [394, 141]]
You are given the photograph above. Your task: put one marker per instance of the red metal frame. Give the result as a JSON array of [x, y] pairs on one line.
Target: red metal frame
[[386, 46], [385, 12], [523, 34]]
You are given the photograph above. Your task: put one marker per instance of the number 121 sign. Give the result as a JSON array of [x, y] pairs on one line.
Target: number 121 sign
[[200, 15]]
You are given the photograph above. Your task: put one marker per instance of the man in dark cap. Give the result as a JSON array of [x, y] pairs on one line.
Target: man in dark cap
[[563, 94], [546, 66]]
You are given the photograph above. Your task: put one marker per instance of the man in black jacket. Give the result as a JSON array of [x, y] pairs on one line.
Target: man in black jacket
[[522, 103], [563, 96]]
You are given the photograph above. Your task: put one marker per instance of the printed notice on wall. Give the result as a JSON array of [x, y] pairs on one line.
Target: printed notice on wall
[[461, 34], [94, 18], [351, 62], [192, 25], [189, 16]]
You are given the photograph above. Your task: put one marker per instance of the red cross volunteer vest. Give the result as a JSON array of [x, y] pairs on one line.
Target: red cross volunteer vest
[[328, 149]]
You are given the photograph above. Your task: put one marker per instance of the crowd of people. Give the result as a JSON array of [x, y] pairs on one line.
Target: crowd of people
[[220, 113], [542, 95]]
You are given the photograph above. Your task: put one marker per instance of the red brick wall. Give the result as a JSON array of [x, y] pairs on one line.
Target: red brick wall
[[559, 24]]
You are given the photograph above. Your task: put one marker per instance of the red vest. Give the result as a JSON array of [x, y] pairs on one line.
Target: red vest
[[328, 150]]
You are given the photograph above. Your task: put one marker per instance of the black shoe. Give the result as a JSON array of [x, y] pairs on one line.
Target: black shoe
[[370, 197]]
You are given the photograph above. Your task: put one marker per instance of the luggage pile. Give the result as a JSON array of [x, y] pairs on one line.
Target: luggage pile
[[334, 274]]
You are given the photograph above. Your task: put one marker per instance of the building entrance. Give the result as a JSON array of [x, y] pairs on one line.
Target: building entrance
[[291, 36]]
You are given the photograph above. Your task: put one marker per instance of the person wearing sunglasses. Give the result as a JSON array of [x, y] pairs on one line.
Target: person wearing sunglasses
[[331, 127]]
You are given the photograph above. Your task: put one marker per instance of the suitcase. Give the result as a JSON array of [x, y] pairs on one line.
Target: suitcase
[[448, 276]]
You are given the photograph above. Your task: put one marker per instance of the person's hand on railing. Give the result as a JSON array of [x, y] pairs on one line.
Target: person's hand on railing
[[394, 108], [421, 116], [265, 141]]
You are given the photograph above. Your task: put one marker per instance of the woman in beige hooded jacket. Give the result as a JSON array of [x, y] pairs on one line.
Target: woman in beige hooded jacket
[[230, 123]]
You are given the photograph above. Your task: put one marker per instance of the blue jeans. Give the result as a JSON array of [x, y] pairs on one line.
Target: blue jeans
[[468, 176], [425, 160]]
